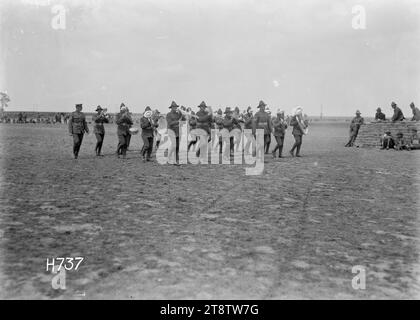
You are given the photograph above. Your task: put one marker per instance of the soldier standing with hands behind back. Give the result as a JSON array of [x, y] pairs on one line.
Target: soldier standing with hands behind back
[[77, 128]]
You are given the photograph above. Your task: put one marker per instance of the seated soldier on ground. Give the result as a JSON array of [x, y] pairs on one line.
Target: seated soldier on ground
[[414, 141], [387, 141], [400, 142], [379, 116]]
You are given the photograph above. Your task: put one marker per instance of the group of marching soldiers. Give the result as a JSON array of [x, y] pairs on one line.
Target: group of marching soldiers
[[202, 119]]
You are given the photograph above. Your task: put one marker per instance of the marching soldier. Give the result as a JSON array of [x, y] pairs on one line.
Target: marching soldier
[[129, 133], [262, 120], [355, 124], [192, 122], [248, 124], [147, 127], [218, 124], [279, 126], [229, 123], [124, 122], [77, 128], [172, 119], [297, 131], [204, 121], [98, 129]]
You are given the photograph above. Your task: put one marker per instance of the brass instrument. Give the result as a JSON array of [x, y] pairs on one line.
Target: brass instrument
[[104, 113], [303, 124], [187, 115]]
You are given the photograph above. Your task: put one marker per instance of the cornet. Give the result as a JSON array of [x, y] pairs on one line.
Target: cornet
[[186, 114], [104, 113]]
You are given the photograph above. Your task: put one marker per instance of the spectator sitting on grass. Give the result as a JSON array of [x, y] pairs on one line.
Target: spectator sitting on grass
[[400, 142], [387, 141]]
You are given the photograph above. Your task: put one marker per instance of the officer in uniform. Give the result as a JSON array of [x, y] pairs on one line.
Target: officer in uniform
[[398, 115], [98, 129], [124, 122], [262, 120], [77, 128], [279, 126], [172, 119]]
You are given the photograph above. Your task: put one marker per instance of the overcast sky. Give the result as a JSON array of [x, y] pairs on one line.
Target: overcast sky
[[228, 53]]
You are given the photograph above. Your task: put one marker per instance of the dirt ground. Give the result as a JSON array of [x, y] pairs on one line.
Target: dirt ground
[[150, 231]]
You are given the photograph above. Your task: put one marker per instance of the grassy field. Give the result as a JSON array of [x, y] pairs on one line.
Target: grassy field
[[150, 231]]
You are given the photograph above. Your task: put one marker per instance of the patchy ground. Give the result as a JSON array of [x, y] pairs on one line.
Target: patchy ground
[[148, 231]]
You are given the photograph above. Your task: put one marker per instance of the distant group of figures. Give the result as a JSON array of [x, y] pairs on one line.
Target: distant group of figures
[[231, 121], [399, 142], [22, 117]]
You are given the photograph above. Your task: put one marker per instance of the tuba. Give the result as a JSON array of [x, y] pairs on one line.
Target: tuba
[[303, 124]]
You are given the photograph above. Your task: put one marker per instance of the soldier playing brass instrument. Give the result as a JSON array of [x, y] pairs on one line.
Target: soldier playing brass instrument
[[124, 122], [98, 129]]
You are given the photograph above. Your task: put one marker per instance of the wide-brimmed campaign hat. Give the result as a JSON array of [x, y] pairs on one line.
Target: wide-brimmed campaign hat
[[79, 105], [147, 109], [173, 105], [202, 105], [379, 109], [98, 108], [393, 104], [261, 104], [358, 112], [219, 111], [297, 110], [280, 111], [227, 110]]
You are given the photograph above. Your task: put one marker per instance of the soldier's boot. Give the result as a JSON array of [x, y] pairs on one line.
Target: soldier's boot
[[280, 151]]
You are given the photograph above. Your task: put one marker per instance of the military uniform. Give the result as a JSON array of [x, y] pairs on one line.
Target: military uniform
[[124, 122], [416, 112], [193, 125], [172, 119], [297, 134], [355, 124], [279, 126], [262, 120], [77, 127], [398, 115], [99, 131], [147, 127], [229, 124]]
